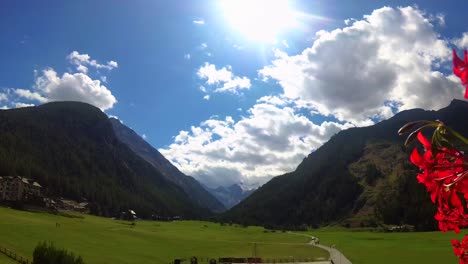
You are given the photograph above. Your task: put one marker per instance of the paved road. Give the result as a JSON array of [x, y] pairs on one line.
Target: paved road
[[336, 256]]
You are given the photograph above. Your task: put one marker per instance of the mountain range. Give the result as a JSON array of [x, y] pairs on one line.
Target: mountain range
[[231, 195], [360, 177], [191, 187], [75, 151]]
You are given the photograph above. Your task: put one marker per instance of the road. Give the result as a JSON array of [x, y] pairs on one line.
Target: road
[[336, 256]]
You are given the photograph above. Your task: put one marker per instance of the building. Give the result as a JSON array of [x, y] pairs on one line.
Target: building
[[16, 188], [72, 205]]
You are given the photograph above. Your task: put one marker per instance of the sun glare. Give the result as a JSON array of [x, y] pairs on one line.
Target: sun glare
[[259, 20]]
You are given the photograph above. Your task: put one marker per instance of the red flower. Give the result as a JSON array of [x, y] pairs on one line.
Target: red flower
[[461, 249], [460, 69], [444, 175]]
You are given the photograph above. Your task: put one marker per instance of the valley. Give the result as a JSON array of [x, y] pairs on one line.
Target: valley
[[103, 240]]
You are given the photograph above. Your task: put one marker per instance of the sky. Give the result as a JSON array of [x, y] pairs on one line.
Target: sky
[[233, 91]]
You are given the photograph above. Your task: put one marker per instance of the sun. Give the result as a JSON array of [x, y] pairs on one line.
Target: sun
[[259, 20]]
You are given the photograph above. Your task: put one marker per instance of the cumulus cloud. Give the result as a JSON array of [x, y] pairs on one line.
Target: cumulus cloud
[[79, 86], [72, 87], [83, 61], [388, 60], [223, 79], [462, 42], [270, 141], [32, 96]]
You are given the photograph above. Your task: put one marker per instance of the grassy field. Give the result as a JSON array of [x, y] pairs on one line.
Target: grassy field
[[101, 240], [382, 248], [6, 260]]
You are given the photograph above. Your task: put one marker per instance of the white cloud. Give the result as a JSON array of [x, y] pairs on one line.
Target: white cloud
[[33, 96], [440, 19], [112, 64], [82, 68], [355, 73], [223, 79], [115, 117], [206, 97], [204, 46], [462, 42], [386, 62], [187, 56], [199, 22], [83, 61], [72, 87], [20, 105], [270, 141], [49, 86]]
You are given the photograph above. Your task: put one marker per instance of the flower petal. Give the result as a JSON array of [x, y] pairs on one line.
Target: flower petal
[[415, 158], [424, 140]]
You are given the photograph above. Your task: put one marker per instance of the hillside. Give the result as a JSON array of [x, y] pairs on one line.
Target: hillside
[[191, 187], [72, 150], [361, 176]]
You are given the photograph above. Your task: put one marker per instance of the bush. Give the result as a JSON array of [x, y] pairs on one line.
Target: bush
[[47, 253]]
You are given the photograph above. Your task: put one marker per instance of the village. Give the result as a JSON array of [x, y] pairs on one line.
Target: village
[[17, 190]]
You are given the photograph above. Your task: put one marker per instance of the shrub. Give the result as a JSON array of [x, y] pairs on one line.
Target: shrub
[[47, 253]]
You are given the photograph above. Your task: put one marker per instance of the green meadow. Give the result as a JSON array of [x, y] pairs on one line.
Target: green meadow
[[6, 260], [102, 240], [363, 247]]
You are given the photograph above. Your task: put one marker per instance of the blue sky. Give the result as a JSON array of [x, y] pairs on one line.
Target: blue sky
[[224, 101]]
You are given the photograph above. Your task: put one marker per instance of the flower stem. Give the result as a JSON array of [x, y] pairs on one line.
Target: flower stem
[[458, 135]]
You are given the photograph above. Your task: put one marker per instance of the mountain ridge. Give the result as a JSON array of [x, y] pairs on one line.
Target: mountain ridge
[[231, 195], [72, 150], [190, 185], [323, 189]]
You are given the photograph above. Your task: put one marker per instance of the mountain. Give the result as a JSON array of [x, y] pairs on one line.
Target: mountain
[[191, 187], [231, 195], [360, 177], [71, 149]]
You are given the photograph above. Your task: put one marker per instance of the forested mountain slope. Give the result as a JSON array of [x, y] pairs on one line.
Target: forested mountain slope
[[361, 176]]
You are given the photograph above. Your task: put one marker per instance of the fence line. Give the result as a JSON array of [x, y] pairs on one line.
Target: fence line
[[201, 260], [18, 258]]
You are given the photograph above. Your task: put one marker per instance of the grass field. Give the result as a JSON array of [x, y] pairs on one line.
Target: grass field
[[383, 248], [6, 260], [101, 240]]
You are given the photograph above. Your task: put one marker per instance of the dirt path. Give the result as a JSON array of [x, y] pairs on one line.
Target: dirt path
[[335, 256]]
